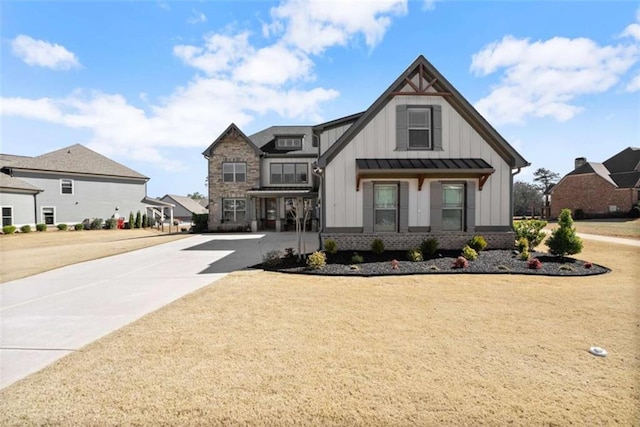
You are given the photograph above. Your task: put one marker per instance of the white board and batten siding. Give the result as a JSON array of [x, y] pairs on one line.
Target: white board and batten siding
[[378, 140], [331, 135]]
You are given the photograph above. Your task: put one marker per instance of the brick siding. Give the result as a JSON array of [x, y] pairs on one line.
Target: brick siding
[[231, 148], [405, 241], [592, 194]]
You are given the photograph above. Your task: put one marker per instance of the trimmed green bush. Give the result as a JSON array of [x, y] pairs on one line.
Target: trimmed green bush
[[110, 223], [414, 255], [131, 221], [25, 229], [41, 227], [62, 227], [138, 220], [145, 221], [530, 229], [317, 260], [271, 259], [469, 253], [477, 243], [377, 246], [330, 246], [200, 222], [79, 226], [96, 224], [563, 240], [357, 258], [429, 247], [524, 255], [522, 244], [9, 229]]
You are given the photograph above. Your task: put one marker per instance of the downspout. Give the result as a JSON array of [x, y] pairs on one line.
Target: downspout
[[511, 194]]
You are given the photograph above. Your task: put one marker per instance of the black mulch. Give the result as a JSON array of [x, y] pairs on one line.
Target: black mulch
[[488, 262]]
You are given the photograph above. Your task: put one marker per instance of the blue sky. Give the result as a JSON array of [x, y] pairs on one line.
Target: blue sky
[[152, 83]]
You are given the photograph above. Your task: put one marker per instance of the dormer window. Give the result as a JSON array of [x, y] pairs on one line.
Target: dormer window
[[289, 142]]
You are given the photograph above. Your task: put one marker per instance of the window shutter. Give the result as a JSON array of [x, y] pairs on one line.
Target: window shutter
[[437, 127], [471, 206], [436, 205], [401, 128], [367, 207], [404, 207]]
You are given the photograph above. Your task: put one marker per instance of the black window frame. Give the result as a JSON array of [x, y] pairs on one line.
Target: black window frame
[[297, 174], [70, 186], [10, 216]]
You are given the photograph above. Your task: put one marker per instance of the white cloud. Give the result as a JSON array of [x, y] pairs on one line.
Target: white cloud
[[43, 54], [429, 4], [544, 78], [315, 25], [196, 17], [633, 31], [634, 84], [236, 80]]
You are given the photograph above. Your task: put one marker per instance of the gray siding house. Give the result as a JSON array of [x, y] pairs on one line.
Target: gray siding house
[[184, 208], [68, 186], [420, 162]]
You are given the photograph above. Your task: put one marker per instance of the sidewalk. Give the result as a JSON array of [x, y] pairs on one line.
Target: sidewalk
[[608, 239]]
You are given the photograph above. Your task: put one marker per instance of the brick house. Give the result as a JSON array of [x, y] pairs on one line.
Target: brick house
[[420, 162], [603, 189]]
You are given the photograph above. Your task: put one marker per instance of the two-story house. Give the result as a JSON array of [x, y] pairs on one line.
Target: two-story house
[[420, 162]]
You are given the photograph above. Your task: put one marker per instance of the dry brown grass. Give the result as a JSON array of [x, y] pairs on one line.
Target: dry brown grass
[[24, 255], [261, 348]]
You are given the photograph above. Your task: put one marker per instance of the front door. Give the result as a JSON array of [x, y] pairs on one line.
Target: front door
[[270, 213]]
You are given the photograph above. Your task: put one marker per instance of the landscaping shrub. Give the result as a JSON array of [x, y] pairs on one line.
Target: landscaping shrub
[[200, 222], [96, 224], [635, 211], [41, 227], [131, 220], [461, 262], [377, 246], [429, 247], [79, 226], [522, 244], [62, 227], [138, 220], [469, 253], [395, 264], [289, 253], [317, 260], [111, 223], [9, 229], [588, 264], [530, 229], [414, 255], [477, 243], [563, 240], [271, 258], [534, 264], [25, 228], [330, 246], [357, 258], [579, 214], [524, 255], [145, 221]]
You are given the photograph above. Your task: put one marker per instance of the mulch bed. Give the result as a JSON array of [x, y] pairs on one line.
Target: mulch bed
[[488, 262]]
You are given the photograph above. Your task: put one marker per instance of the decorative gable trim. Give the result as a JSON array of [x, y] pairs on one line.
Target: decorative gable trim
[[234, 132], [430, 82]]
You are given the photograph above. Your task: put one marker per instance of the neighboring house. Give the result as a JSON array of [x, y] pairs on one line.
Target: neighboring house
[[599, 189], [420, 162], [185, 207], [68, 186]]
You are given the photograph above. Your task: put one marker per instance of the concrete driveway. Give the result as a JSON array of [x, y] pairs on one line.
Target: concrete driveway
[[49, 315]]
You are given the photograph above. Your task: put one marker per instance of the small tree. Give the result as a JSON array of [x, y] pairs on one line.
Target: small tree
[[300, 209], [138, 220], [563, 240], [131, 220], [145, 221]]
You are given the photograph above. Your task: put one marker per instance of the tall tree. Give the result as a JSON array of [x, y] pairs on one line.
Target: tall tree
[[195, 196], [526, 197], [547, 180]]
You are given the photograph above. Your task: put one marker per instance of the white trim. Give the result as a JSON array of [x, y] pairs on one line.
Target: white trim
[[42, 218], [12, 216], [72, 187]]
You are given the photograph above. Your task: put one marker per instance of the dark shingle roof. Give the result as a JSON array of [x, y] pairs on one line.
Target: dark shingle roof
[[597, 168], [74, 159], [265, 139], [628, 160], [187, 202]]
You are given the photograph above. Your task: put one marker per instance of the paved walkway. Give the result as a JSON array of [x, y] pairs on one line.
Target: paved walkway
[[617, 240], [49, 315]]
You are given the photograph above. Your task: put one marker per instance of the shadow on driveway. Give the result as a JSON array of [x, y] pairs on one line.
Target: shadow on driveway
[[249, 250]]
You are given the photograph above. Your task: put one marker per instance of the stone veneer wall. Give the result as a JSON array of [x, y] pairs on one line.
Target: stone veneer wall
[[231, 148], [405, 241]]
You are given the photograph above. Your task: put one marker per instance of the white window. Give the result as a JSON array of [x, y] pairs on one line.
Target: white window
[[385, 207], [7, 215], [234, 210], [234, 172], [49, 215], [452, 207], [419, 128], [66, 186]]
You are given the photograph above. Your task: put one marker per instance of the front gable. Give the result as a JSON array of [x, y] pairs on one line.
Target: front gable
[[232, 133], [423, 90]]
